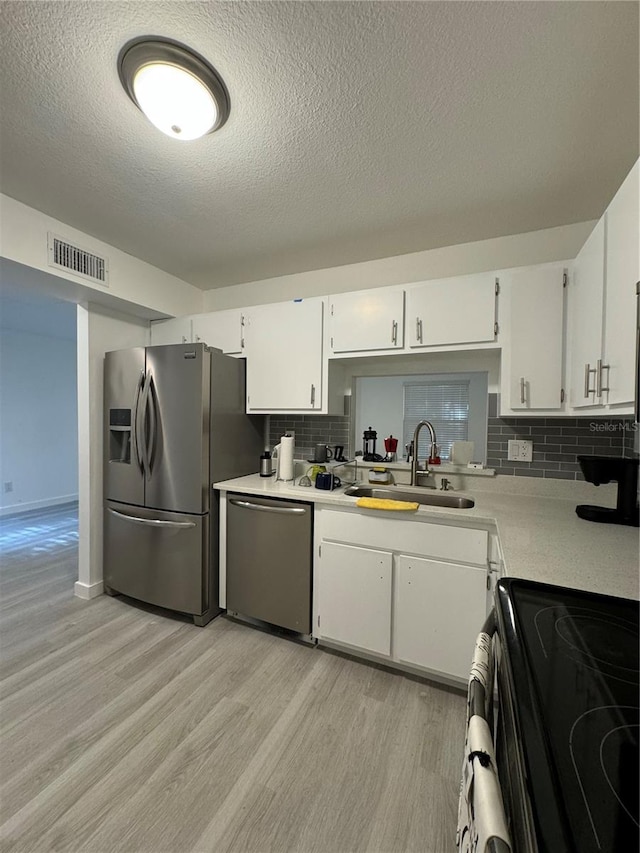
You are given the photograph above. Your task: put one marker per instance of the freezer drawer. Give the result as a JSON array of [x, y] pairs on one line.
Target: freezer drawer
[[269, 545], [157, 557]]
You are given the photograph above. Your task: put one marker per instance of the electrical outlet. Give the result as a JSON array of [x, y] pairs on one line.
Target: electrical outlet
[[8, 486], [520, 451]]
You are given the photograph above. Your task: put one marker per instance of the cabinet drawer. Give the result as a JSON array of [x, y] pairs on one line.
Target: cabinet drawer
[[408, 535]]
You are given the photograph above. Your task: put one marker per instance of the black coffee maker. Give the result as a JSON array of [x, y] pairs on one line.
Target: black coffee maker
[[604, 469], [369, 438]]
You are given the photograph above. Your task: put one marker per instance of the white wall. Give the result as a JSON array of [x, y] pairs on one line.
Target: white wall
[[535, 247], [38, 420], [23, 239], [99, 330]]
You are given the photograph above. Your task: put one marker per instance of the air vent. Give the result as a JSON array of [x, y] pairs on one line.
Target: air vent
[[66, 256]]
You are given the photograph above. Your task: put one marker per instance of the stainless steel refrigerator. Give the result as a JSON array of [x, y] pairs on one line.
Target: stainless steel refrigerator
[[175, 423]]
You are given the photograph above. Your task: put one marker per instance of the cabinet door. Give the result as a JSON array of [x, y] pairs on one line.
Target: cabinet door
[[452, 311], [354, 596], [535, 338], [221, 329], [176, 331], [586, 292], [367, 320], [284, 356], [440, 609], [621, 274]]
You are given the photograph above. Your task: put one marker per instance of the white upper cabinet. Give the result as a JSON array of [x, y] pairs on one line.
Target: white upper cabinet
[[174, 331], [602, 306], [622, 272], [366, 320], [220, 329], [586, 303], [459, 310], [284, 356], [533, 344]]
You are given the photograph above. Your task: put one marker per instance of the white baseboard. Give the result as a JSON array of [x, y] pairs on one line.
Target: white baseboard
[[44, 503], [88, 590]]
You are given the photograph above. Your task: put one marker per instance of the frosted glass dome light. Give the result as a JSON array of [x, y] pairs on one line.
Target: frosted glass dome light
[[177, 90]]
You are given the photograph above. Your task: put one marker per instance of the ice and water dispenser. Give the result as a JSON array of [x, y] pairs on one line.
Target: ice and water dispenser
[[120, 435]]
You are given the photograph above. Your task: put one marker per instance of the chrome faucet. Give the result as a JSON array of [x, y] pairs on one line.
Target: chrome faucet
[[415, 465]]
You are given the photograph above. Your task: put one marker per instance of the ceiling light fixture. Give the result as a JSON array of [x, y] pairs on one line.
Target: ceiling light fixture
[[178, 91]]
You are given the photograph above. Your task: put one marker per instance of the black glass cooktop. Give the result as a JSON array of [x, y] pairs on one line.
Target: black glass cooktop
[[573, 661]]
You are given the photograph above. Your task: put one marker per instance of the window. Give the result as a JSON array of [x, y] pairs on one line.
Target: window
[[445, 404], [380, 404]]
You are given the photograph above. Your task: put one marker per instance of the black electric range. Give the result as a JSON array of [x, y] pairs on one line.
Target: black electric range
[[567, 744]]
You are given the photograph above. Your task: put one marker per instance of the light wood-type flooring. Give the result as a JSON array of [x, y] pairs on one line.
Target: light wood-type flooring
[[125, 730]]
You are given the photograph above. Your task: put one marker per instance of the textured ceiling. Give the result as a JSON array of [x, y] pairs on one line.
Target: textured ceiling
[[357, 130]]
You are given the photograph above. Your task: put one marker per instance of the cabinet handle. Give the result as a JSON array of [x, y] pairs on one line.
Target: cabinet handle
[[313, 395], [588, 370], [419, 329], [599, 368], [394, 332], [523, 396]]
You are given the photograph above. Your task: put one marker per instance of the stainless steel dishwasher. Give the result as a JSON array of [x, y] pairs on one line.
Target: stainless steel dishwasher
[[269, 544]]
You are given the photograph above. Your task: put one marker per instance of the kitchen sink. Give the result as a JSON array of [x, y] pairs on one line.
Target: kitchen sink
[[425, 499]]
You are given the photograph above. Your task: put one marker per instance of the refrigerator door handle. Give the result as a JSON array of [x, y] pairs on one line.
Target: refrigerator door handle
[[143, 424], [153, 424], [153, 522], [137, 432]]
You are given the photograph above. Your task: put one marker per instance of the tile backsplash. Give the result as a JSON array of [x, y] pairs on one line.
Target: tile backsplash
[[311, 430], [557, 442]]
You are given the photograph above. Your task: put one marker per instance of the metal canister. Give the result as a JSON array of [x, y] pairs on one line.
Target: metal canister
[[266, 466]]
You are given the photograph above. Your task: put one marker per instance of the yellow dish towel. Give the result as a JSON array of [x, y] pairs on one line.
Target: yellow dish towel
[[382, 503]]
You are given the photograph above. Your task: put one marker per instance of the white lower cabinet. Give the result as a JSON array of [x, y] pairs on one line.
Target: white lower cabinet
[[440, 609], [355, 596], [420, 610]]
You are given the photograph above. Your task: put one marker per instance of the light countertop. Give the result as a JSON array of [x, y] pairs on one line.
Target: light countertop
[[541, 537]]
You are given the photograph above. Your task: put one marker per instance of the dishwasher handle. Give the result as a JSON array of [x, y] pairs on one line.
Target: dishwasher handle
[[288, 510]]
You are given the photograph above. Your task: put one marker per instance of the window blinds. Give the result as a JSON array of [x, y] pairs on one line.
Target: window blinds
[[445, 404]]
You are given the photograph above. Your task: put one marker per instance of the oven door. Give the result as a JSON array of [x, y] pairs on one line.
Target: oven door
[[482, 823]]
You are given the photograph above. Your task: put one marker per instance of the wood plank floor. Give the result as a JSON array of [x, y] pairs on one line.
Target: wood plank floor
[[126, 731]]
